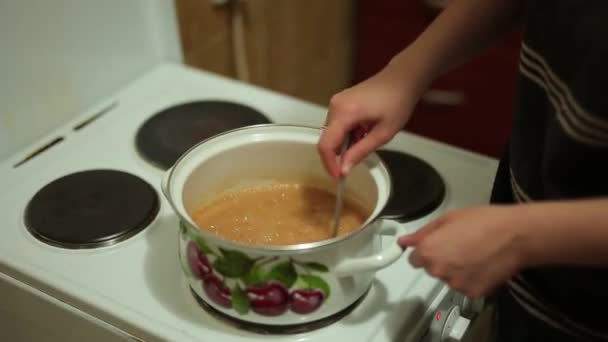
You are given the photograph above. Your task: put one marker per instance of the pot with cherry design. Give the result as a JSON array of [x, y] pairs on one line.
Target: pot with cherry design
[[277, 285]]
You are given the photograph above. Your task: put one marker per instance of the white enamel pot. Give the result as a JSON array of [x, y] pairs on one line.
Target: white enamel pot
[[277, 285]]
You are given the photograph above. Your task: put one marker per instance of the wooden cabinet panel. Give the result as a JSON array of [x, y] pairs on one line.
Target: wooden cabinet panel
[[205, 35], [300, 47]]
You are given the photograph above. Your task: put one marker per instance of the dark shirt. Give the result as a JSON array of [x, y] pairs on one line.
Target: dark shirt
[[559, 149]]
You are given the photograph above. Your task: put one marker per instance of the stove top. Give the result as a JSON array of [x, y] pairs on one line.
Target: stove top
[[90, 209], [164, 137], [135, 284], [418, 189]]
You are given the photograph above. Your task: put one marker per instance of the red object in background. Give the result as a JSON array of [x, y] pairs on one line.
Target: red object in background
[[482, 122]]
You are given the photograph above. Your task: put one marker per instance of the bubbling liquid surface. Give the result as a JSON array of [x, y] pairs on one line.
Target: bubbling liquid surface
[[277, 214]]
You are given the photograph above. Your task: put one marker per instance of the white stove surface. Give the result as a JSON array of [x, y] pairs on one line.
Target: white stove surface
[[136, 285]]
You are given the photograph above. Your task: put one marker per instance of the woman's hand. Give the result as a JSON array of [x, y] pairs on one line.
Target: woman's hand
[[472, 250], [371, 112]]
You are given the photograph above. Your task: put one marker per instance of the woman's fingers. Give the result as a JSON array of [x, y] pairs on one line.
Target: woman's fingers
[[367, 144], [415, 260], [337, 129]]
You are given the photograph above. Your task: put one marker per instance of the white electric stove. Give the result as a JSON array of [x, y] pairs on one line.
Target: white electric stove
[[132, 290]]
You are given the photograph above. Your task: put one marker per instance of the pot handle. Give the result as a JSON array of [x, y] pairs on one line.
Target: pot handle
[[384, 258]]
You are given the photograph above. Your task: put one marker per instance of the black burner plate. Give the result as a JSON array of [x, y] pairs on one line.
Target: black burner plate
[[418, 189], [91, 209], [163, 138], [278, 329]]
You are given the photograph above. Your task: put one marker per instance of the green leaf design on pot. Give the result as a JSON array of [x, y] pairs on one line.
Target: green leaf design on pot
[[316, 282], [315, 266], [254, 276], [240, 301], [303, 290], [283, 272], [233, 264], [300, 283], [202, 244], [182, 228]]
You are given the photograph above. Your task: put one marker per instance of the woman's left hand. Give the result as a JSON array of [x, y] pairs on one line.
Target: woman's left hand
[[472, 250]]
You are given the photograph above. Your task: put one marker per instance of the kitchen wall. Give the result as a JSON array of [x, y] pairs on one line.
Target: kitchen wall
[[302, 48], [60, 58]]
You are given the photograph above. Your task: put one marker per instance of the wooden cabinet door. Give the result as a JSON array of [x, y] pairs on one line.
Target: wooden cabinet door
[[302, 48]]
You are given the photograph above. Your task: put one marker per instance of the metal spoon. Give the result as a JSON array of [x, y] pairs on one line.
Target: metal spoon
[[339, 192]]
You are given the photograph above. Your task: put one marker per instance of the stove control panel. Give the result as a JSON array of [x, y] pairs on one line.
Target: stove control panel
[[454, 327], [471, 307], [452, 318]]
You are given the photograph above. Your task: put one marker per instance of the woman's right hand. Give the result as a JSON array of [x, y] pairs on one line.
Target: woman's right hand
[[371, 112]]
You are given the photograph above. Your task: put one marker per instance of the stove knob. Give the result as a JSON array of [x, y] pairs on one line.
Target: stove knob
[[455, 326], [472, 307]]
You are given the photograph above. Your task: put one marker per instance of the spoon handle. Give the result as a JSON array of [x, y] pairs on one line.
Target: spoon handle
[[339, 191]]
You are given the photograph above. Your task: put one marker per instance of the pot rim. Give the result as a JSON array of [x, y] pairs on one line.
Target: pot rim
[[283, 249]]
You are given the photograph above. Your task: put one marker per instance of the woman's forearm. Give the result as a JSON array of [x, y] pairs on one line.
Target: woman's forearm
[[461, 30], [567, 233]]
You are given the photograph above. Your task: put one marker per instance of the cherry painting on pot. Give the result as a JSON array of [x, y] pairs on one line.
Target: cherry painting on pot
[[267, 285], [277, 284]]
